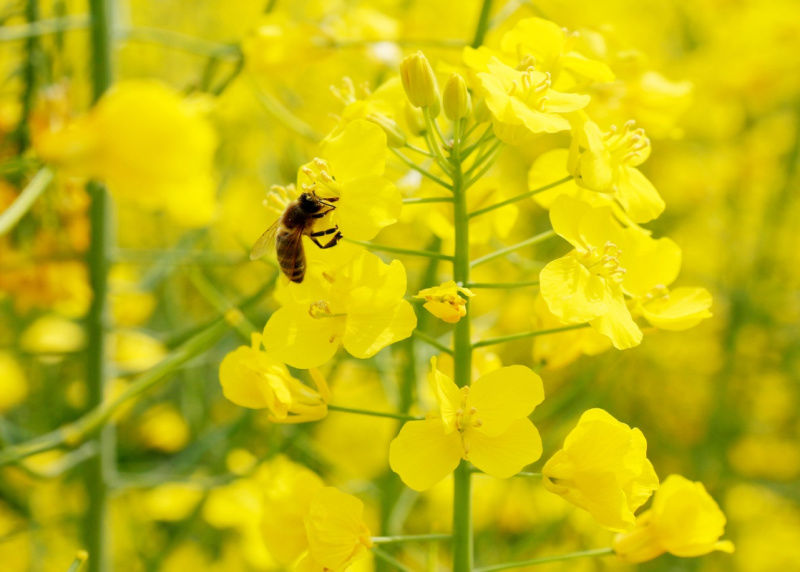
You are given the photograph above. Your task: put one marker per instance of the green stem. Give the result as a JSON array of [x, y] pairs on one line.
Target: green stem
[[281, 113], [23, 203], [183, 42], [388, 558], [462, 367], [221, 304], [423, 200], [483, 24], [100, 468], [531, 334], [397, 250], [421, 170], [498, 285], [547, 559], [503, 251], [431, 341], [410, 538], [355, 411], [78, 562], [42, 28], [519, 197]]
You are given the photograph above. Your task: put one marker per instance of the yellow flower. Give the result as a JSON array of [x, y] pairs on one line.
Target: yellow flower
[[279, 44], [148, 144], [603, 469], [359, 305], [606, 162], [586, 284], [52, 334], [352, 170], [171, 502], [136, 351], [546, 44], [684, 520], [253, 378], [162, 428], [444, 302], [14, 385], [335, 528], [486, 423], [521, 98]]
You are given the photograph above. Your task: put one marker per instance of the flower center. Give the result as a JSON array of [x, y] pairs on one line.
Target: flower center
[[629, 146], [531, 87], [604, 262], [466, 417], [321, 181]]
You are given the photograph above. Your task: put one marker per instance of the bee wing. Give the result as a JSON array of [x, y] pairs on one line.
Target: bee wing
[[265, 242]]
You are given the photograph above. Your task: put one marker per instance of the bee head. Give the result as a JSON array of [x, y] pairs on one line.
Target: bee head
[[309, 202]]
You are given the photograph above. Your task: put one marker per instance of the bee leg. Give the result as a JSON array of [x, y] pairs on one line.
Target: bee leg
[[323, 213], [332, 242], [324, 232]]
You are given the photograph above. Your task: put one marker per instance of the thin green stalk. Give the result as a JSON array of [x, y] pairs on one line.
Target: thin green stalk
[[503, 251], [81, 557], [500, 285], [100, 469], [487, 134], [483, 24], [369, 413], [484, 155], [421, 170], [493, 153], [520, 197], [431, 341], [221, 304], [530, 334], [410, 538], [425, 200], [389, 559], [23, 203], [43, 28], [397, 250], [462, 367], [183, 42], [282, 114], [547, 559]]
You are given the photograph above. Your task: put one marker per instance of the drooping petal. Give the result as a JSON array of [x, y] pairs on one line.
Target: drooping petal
[[423, 454], [504, 395], [573, 294], [357, 151], [504, 455], [335, 527], [618, 324], [637, 195]]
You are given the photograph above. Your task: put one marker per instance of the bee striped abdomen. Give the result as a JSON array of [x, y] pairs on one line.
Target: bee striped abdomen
[[289, 248]]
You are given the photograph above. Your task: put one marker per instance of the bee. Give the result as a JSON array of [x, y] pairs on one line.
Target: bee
[[297, 220]]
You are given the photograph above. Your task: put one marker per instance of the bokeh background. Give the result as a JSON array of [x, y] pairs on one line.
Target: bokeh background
[[716, 84]]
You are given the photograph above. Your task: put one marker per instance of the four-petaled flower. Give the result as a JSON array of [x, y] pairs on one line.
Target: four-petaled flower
[[444, 301]]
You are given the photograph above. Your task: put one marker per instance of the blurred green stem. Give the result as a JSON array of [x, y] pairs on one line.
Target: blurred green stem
[[530, 334], [483, 24], [503, 251], [23, 203], [42, 28]]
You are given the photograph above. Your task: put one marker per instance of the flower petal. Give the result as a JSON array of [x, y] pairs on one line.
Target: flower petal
[[358, 151], [423, 454], [300, 340], [572, 293], [368, 330], [504, 395], [367, 205], [682, 309], [504, 455]]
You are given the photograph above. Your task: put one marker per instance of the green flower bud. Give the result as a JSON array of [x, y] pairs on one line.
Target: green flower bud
[[419, 82], [455, 98]]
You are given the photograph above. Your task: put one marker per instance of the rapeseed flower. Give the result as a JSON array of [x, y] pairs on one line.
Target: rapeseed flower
[[446, 301], [358, 305], [603, 469], [253, 378], [684, 521], [485, 423]]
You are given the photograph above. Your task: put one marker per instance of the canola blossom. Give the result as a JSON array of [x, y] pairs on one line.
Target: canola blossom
[[466, 206]]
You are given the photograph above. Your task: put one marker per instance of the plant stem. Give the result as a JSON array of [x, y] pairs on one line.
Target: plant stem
[[519, 197], [23, 203], [503, 251], [431, 341], [483, 24], [423, 200], [498, 285], [531, 334], [399, 416], [397, 250], [388, 558], [547, 559], [100, 468], [183, 42], [462, 364], [410, 538], [42, 28], [421, 170]]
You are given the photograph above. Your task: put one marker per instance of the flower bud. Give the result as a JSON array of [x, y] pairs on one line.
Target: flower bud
[[415, 120], [394, 135], [419, 82], [455, 98]]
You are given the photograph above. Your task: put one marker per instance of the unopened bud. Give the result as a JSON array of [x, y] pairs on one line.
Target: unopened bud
[[394, 136], [415, 120], [419, 82], [455, 98]]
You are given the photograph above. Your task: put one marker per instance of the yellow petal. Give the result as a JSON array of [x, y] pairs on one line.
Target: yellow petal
[[649, 263], [367, 205], [573, 294], [618, 325], [448, 394], [504, 455], [503, 396], [358, 151], [335, 528], [299, 340], [681, 309], [369, 330], [638, 196], [422, 454]]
